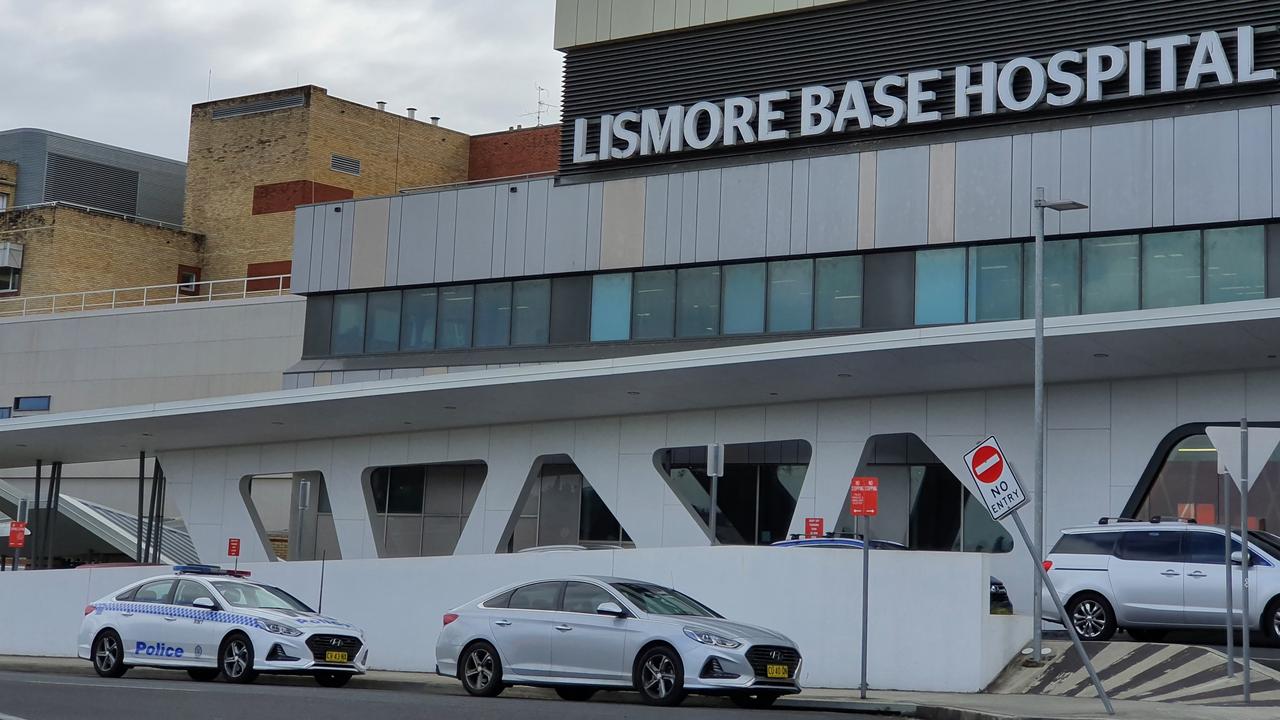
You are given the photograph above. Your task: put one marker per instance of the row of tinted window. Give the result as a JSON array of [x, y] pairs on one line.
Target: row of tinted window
[[576, 597], [1150, 545], [935, 286]]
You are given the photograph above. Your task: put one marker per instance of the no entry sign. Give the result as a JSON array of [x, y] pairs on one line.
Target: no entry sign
[[994, 480], [864, 496]]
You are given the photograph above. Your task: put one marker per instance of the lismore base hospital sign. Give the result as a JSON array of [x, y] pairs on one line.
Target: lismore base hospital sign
[[1063, 79]]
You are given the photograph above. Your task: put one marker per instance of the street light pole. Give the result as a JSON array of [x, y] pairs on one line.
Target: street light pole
[[1037, 219]]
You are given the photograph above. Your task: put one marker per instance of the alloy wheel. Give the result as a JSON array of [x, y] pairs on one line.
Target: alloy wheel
[[235, 661], [1090, 618], [107, 655], [658, 676], [478, 669]]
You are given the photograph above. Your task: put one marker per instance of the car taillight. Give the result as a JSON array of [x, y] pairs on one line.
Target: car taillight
[[88, 609], [449, 617], [1048, 565]]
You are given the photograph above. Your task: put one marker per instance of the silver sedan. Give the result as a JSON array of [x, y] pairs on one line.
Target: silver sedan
[[583, 634]]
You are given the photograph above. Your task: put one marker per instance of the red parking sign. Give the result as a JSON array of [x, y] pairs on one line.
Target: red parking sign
[[814, 527], [233, 547], [864, 496], [17, 534]]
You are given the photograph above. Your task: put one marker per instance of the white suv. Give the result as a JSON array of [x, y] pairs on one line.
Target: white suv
[[1149, 577]]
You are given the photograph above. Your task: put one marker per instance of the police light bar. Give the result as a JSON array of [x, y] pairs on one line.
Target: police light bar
[[237, 573], [208, 570]]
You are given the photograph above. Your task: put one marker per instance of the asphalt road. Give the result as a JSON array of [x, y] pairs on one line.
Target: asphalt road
[[35, 696]]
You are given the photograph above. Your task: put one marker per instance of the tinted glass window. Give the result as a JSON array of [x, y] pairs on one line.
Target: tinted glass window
[[1152, 545], [698, 302], [154, 592], [744, 298], [790, 295], [127, 594], [584, 597], [348, 324], [455, 317], [1206, 548], [839, 293], [382, 322], [493, 315], [570, 309], [995, 283], [531, 312], [539, 596], [1086, 544], [653, 305], [940, 280], [315, 341], [1171, 269], [189, 591], [611, 307], [499, 601], [261, 597], [1061, 278], [418, 320], [1235, 264], [657, 600], [1110, 281]]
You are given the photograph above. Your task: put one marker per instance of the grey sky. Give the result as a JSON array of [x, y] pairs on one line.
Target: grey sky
[[126, 72]]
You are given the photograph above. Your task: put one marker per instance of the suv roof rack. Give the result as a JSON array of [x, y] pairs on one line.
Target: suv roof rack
[[1114, 520], [1163, 518]]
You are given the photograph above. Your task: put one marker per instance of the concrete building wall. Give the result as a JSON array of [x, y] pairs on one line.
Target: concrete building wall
[[70, 250], [1195, 168], [583, 22]]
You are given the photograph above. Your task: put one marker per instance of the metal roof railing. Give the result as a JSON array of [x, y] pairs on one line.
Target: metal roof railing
[[152, 295]]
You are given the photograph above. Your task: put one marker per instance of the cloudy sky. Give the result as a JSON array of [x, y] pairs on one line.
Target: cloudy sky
[[126, 72]]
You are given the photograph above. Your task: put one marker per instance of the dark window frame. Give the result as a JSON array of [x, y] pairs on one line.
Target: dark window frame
[[21, 400]]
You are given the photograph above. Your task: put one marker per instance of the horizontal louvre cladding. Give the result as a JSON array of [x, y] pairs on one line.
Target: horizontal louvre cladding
[[344, 164], [258, 106], [85, 182], [866, 41]]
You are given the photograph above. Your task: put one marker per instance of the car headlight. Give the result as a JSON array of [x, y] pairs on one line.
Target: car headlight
[[710, 638], [278, 629]]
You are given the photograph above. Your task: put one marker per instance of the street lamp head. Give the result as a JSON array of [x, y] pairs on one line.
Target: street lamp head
[[1061, 205]]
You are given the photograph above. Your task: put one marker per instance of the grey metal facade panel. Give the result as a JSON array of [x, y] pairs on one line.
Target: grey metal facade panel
[[833, 204], [1162, 171], [419, 218], [315, 276], [778, 222], [332, 243], [535, 252], [689, 218], [1046, 171], [675, 213], [392, 263], [655, 220], [1021, 188], [984, 176], [868, 40], [1120, 176], [446, 235], [346, 241], [517, 228], [501, 199], [595, 219], [902, 197], [744, 211], [91, 183], [1275, 161], [800, 206], [1255, 163], [1075, 179], [29, 149], [473, 240], [707, 242], [1206, 167], [567, 229], [160, 184], [303, 220]]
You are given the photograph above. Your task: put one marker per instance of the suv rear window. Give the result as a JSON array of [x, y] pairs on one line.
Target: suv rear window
[[1093, 543], [1151, 545]]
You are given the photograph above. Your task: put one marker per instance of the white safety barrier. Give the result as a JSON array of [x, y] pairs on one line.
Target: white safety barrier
[[930, 628]]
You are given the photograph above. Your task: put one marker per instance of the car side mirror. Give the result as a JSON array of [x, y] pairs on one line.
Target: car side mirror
[[205, 603], [610, 608], [1237, 558]]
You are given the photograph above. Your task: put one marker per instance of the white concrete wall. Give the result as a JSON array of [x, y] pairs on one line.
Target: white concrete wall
[[929, 622]]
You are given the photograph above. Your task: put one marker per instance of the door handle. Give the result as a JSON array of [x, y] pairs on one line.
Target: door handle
[[1196, 574], [564, 628], [1169, 573], [502, 623], [171, 619], [127, 614]]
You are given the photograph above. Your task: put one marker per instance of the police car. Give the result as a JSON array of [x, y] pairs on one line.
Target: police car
[[211, 622]]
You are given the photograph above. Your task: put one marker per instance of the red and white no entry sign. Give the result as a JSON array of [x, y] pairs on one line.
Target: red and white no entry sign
[[987, 464]]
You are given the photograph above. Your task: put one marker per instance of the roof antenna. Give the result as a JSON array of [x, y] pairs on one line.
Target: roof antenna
[[544, 107]]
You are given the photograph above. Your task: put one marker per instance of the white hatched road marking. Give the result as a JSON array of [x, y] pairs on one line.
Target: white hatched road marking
[[1108, 656], [1173, 675], [15, 717], [1160, 656]]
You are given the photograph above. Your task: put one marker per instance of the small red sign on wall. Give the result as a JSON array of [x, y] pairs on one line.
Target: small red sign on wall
[[864, 496], [233, 547], [17, 534], [814, 527]]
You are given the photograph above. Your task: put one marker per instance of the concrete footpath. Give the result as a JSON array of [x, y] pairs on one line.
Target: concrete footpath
[[930, 706]]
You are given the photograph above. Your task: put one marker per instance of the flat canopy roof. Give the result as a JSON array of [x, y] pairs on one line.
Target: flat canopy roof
[[1205, 338]]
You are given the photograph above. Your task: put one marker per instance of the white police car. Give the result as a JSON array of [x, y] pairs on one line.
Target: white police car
[[210, 621]]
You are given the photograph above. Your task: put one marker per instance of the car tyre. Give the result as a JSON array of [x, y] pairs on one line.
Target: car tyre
[[204, 674], [659, 676], [108, 655], [1271, 622], [235, 659], [575, 694], [481, 670], [757, 701], [1146, 635], [1092, 616], [333, 679]]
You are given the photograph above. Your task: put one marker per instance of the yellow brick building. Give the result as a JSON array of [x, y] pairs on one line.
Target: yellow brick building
[[253, 159]]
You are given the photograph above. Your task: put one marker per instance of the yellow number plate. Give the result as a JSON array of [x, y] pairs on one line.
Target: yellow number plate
[[341, 657], [777, 671]]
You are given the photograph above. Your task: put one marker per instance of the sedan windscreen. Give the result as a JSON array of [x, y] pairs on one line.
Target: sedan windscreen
[[657, 600], [262, 597]]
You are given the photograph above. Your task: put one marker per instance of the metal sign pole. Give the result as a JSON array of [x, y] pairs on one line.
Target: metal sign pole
[[1244, 552], [23, 512], [1226, 563], [1066, 621], [866, 588]]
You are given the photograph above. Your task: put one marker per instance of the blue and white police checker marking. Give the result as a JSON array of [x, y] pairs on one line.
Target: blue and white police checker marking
[[993, 479], [160, 634]]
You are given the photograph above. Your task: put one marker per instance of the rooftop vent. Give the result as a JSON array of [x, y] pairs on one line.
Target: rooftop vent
[[411, 112], [258, 106], [382, 105], [344, 164], [435, 119]]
